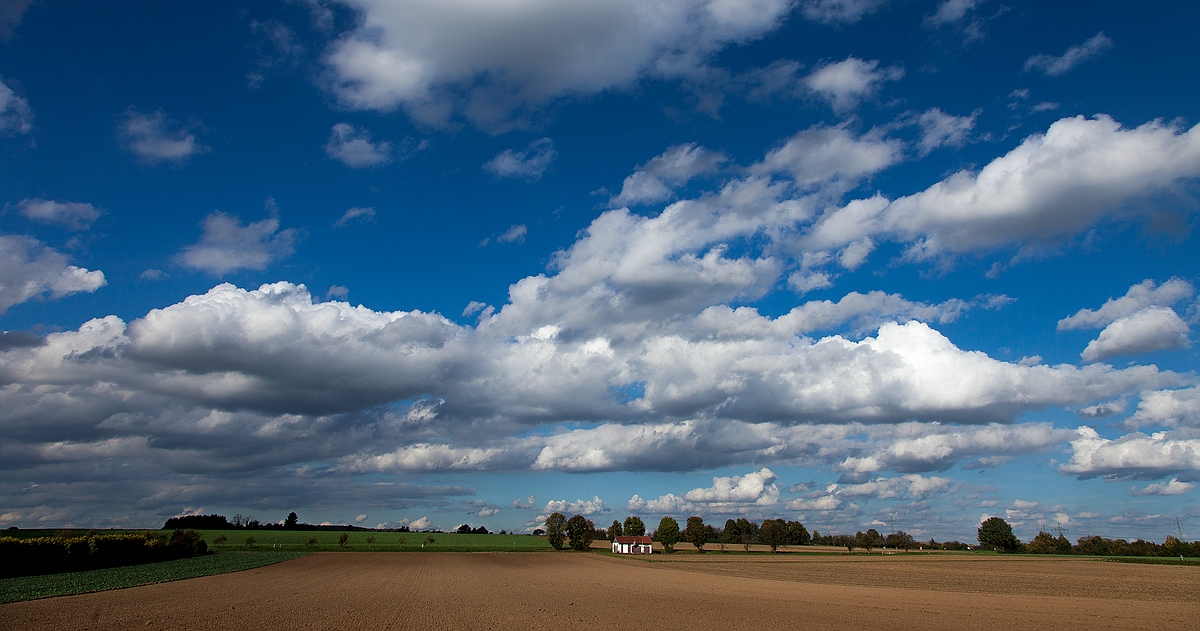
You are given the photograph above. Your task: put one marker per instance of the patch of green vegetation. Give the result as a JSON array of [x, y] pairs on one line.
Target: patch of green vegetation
[[383, 541], [47, 585], [1155, 560]]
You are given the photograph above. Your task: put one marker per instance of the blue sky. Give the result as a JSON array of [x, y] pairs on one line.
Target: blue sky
[[853, 262]]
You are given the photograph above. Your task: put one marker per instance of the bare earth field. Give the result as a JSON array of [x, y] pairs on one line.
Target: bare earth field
[[589, 591]]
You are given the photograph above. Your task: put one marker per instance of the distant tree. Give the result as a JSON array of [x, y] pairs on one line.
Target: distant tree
[[480, 530], [614, 530], [668, 533], [1043, 543], [634, 527], [1062, 545], [312, 542], [773, 533], [343, 540], [695, 533], [291, 522], [250, 542], [198, 522], [219, 540], [869, 539], [1094, 545], [900, 540], [428, 541], [579, 531], [845, 540], [554, 529], [370, 541], [464, 529], [401, 540], [731, 534], [538, 532], [995, 534], [797, 534]]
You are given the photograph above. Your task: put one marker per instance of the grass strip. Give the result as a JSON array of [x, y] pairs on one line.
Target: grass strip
[[1153, 560], [67, 583]]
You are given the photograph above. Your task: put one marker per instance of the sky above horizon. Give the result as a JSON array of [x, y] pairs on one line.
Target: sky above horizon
[[860, 263]]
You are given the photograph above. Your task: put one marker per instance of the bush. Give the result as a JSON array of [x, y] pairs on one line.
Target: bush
[[555, 524], [50, 555], [579, 531]]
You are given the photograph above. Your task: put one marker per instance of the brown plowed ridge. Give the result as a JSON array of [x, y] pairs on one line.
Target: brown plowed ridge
[[585, 591]]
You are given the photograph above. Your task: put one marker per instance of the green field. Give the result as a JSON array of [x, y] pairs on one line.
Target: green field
[[297, 540], [31, 587]]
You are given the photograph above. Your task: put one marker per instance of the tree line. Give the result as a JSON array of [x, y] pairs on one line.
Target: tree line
[[996, 534]]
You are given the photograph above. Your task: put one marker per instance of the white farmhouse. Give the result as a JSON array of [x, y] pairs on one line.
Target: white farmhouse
[[631, 545]]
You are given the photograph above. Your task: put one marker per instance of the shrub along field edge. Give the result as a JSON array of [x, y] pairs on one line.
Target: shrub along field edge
[[68, 583]]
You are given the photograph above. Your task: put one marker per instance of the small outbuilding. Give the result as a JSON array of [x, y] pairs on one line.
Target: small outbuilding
[[632, 545]]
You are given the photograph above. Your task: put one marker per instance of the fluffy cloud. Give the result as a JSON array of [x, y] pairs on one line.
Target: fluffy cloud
[[226, 245], [1134, 455], [940, 129], [951, 11], [594, 506], [353, 147], [1051, 187], [727, 495], [1170, 408], [843, 84], [1139, 297], [1151, 329], [655, 180], [530, 164], [1171, 487], [839, 11], [155, 139], [73, 215], [1075, 55], [831, 157], [491, 62], [15, 115], [29, 269]]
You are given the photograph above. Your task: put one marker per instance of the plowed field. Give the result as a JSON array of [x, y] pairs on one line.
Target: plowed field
[[587, 591]]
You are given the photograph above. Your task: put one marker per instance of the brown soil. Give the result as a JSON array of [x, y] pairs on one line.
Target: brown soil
[[588, 591]]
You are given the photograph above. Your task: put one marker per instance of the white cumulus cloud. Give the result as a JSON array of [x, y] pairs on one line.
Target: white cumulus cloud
[[353, 147], [16, 117], [155, 138], [30, 269], [1171, 487], [530, 164], [656, 180], [227, 245], [73, 215], [1140, 296], [843, 84], [495, 62], [1151, 329]]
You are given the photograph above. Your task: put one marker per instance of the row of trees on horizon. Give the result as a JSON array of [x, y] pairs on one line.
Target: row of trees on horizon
[[995, 533]]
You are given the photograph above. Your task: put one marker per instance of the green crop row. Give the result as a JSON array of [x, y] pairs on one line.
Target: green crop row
[[66, 583]]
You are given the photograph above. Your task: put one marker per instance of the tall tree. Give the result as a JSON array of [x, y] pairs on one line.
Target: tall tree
[[555, 524], [696, 533], [869, 539], [292, 521], [614, 531], [580, 531], [774, 533], [634, 526], [731, 534], [668, 533], [797, 534], [995, 534]]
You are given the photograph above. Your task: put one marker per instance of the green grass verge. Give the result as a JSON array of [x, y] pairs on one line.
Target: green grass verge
[[327, 541], [67, 583], [1153, 560], [297, 540]]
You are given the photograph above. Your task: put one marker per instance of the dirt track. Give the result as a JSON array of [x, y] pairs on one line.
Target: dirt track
[[576, 591]]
